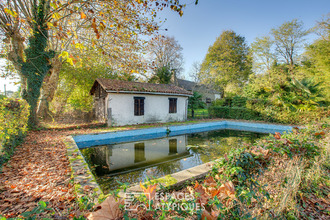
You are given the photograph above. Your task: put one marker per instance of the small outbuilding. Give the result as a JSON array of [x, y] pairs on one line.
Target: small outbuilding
[[208, 94], [126, 102]]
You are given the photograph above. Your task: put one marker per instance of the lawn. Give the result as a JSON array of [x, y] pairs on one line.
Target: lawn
[[199, 113]]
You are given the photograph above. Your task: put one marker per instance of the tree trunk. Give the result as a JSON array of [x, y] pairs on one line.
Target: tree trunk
[[192, 113], [38, 57], [32, 95], [49, 88], [15, 47]]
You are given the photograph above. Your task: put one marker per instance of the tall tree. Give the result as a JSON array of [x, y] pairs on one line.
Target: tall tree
[[317, 57], [195, 102], [165, 52], [228, 63], [33, 19], [263, 54], [288, 39], [162, 75], [76, 82], [195, 71]]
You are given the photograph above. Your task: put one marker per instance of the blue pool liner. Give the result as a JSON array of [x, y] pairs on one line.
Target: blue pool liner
[[84, 141]]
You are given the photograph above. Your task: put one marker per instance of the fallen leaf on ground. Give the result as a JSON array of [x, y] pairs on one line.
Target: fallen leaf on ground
[[109, 209], [207, 216], [277, 135]]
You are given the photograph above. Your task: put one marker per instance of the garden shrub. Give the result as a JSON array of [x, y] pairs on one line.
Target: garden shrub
[[14, 115], [234, 113], [262, 109], [218, 102], [238, 101]]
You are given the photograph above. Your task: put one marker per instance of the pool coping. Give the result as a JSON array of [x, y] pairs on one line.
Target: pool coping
[[84, 180], [181, 177], [86, 184], [115, 137]]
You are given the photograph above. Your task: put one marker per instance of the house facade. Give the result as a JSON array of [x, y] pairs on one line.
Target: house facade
[[208, 94], [126, 103]]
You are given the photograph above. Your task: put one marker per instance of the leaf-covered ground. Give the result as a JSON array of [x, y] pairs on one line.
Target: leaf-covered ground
[[39, 171]]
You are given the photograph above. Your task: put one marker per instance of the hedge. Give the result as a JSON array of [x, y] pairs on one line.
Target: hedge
[[14, 115], [233, 113]]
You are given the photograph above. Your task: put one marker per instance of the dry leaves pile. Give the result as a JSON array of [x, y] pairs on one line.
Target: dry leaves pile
[[208, 190], [38, 171]]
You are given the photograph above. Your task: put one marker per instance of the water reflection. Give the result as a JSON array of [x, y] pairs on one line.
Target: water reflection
[[135, 161], [120, 158], [173, 144], [139, 153]]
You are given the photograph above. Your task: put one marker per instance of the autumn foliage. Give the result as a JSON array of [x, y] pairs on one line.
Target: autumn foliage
[[13, 125]]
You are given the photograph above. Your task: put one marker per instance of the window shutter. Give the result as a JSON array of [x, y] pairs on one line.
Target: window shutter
[[175, 103], [172, 105], [136, 106], [141, 106]]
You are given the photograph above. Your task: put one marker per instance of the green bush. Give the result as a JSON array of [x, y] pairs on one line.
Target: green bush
[[218, 102], [266, 110], [238, 101], [233, 113], [14, 115]]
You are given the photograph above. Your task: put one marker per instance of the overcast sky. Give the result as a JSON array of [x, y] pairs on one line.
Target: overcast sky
[[201, 24]]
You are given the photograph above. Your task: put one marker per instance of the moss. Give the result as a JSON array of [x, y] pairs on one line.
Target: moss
[[168, 180]]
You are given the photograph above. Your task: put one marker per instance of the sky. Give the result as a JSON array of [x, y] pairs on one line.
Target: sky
[[201, 24]]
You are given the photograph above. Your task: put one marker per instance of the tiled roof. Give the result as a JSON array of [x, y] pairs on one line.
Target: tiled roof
[[188, 85], [129, 86], [192, 86]]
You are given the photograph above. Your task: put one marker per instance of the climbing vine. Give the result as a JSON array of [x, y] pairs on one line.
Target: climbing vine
[[37, 62]]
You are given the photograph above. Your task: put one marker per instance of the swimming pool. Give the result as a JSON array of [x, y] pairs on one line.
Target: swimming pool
[[133, 156], [89, 140]]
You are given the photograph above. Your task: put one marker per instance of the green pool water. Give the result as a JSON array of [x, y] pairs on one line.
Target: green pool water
[[133, 162]]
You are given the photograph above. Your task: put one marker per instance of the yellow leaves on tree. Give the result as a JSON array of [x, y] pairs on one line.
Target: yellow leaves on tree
[[83, 15]]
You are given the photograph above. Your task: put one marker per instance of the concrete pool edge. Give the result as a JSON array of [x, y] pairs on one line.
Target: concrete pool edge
[[88, 140], [84, 181], [181, 177]]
